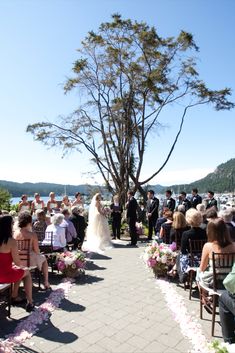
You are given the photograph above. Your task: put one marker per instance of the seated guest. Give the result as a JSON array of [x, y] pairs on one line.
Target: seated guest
[[219, 241], [24, 205], [211, 214], [58, 238], [227, 216], [181, 208], [79, 223], [227, 316], [9, 259], [65, 203], [70, 231], [51, 203], [161, 220], [40, 225], [23, 232], [202, 209], [194, 220], [166, 227], [37, 203], [179, 225]]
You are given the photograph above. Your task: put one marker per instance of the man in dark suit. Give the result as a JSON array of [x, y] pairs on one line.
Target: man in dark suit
[[195, 199], [131, 215], [169, 202], [184, 201], [211, 201], [79, 223], [152, 212]]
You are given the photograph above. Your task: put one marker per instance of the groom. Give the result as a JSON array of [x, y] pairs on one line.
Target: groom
[[152, 212], [131, 215]]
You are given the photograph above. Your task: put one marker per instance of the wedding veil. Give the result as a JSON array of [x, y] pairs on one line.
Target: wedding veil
[[92, 209]]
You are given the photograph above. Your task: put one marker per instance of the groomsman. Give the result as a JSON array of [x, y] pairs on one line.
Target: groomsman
[[169, 202], [152, 212], [195, 199], [131, 215], [184, 201], [211, 201]]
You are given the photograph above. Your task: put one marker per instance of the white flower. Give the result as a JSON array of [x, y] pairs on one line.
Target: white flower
[[164, 259]]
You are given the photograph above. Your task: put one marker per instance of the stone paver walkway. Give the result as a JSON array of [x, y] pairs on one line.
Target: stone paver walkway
[[115, 307]]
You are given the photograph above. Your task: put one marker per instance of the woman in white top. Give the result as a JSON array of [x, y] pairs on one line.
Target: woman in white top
[[58, 232], [51, 203], [37, 204], [24, 205]]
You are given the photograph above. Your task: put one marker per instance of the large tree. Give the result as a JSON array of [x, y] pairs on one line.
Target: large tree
[[127, 76]]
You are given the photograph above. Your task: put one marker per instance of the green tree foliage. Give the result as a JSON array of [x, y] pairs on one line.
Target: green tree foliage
[[127, 76], [5, 198]]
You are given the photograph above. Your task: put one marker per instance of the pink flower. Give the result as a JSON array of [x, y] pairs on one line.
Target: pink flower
[[173, 246], [151, 262], [61, 265]]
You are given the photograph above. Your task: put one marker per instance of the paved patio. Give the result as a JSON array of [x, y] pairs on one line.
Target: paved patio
[[115, 307]]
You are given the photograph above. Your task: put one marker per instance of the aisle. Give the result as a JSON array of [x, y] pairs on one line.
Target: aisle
[[116, 308]]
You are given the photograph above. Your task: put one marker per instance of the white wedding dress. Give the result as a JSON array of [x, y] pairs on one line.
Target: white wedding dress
[[98, 233]]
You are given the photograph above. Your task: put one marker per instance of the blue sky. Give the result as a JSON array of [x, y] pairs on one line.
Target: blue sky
[[38, 47]]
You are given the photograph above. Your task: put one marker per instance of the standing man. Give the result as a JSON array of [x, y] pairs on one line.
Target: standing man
[[196, 199], [131, 215], [184, 201], [152, 212], [211, 201], [169, 202], [116, 214]]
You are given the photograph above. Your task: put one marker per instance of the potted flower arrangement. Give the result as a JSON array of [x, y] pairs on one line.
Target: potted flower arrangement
[[160, 257], [71, 263]]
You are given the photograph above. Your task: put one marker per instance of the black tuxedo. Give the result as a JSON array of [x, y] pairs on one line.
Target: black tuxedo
[[169, 203], [152, 207], [211, 203], [195, 200], [132, 218], [186, 203], [80, 226], [116, 219]]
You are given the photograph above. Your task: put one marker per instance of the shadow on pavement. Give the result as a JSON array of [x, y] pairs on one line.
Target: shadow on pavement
[[52, 333], [90, 266], [89, 279], [96, 256], [69, 306]]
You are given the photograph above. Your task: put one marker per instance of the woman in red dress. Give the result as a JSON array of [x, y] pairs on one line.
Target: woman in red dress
[[10, 271]]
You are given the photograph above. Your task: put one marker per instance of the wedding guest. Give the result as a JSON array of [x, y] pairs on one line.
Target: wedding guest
[[66, 204], [70, 231], [141, 212], [211, 214], [211, 201], [166, 227], [51, 203], [78, 200], [116, 216], [202, 209], [219, 241], [227, 216], [24, 205], [181, 208], [37, 203], [179, 225], [194, 220], [131, 215], [9, 259], [40, 225], [79, 223], [152, 213], [160, 221], [23, 232], [196, 198], [227, 316], [58, 239]]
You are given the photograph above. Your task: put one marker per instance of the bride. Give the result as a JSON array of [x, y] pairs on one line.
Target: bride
[[98, 233]]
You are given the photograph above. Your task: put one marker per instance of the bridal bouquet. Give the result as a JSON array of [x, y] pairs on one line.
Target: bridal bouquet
[[71, 263], [160, 257]]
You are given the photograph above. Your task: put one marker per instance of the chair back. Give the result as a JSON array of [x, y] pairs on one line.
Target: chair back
[[222, 264], [178, 237], [195, 249], [24, 251], [47, 245]]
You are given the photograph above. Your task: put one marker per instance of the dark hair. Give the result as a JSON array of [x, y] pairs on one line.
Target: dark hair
[[77, 194], [195, 190], [211, 213], [131, 193], [218, 231], [24, 219], [23, 196], [183, 193], [5, 228], [151, 192], [211, 192], [65, 211], [168, 191]]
